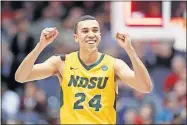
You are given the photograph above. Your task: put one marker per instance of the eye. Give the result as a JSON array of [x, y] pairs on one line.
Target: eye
[[85, 31], [95, 30]]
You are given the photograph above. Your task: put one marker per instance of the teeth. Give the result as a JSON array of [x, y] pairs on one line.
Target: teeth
[[90, 42]]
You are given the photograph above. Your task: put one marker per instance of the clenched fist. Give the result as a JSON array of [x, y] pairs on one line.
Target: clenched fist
[[48, 35], [123, 40]]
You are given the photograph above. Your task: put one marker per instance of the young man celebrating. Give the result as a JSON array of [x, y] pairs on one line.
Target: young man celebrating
[[87, 77]]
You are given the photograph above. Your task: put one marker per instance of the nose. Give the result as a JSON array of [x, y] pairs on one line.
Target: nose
[[91, 34]]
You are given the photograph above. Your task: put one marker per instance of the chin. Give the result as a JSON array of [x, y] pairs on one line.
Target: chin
[[92, 49]]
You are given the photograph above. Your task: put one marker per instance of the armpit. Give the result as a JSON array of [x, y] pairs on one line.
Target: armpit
[[59, 77], [116, 79]]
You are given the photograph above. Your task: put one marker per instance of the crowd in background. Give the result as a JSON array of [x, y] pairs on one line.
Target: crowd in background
[[38, 102]]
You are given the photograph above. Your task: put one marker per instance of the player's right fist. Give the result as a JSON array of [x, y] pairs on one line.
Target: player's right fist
[[48, 35]]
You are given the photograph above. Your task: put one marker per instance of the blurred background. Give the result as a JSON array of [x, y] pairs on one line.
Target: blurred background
[[38, 102]]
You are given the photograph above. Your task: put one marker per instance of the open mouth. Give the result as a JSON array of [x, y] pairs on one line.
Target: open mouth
[[91, 41]]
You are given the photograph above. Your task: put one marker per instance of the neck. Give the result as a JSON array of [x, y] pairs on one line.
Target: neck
[[88, 57]]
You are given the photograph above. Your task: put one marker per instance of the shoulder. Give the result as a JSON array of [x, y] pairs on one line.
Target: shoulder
[[109, 56], [71, 55], [55, 60], [116, 61], [111, 59], [62, 57], [59, 62], [118, 64]]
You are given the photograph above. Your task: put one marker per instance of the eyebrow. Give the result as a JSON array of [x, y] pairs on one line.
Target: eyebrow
[[95, 27], [92, 28], [84, 28]]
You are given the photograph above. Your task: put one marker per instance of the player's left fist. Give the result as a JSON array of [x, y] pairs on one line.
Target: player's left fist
[[123, 40]]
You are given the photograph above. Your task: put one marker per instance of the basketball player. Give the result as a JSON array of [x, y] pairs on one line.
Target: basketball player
[[87, 77]]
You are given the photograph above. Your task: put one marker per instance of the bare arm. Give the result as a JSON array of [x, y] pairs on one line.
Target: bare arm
[[27, 71], [138, 79]]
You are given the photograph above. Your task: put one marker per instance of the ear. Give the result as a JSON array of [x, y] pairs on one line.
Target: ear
[[76, 38]]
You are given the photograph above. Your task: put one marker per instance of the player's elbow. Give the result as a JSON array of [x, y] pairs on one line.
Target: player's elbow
[[19, 78], [145, 90], [148, 88]]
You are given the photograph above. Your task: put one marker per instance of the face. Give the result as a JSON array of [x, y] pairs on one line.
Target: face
[[129, 116], [88, 35], [146, 111], [23, 26], [178, 64]]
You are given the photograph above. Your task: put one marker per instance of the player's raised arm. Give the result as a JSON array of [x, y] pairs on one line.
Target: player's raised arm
[[138, 79], [27, 71]]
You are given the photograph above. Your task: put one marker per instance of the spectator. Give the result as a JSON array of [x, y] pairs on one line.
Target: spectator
[[129, 116], [22, 23], [147, 114], [170, 109], [178, 72], [20, 46]]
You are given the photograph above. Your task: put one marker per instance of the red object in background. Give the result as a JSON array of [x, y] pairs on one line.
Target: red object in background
[[138, 120], [170, 81], [7, 15], [147, 13], [151, 9]]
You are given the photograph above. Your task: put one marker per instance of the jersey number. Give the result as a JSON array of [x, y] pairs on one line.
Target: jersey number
[[95, 102]]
